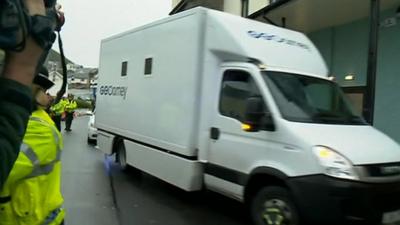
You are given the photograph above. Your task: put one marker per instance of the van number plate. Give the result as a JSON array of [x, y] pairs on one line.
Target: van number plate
[[391, 217]]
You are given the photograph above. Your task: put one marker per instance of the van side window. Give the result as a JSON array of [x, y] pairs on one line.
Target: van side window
[[236, 87], [124, 68], [148, 66]]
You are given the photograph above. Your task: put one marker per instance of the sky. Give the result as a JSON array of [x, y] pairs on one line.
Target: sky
[[90, 21]]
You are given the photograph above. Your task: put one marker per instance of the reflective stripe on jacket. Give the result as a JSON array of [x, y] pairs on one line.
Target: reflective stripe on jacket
[[32, 192]]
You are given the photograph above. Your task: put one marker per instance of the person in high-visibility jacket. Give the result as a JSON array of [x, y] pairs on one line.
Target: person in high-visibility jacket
[[70, 107], [56, 112], [32, 192]]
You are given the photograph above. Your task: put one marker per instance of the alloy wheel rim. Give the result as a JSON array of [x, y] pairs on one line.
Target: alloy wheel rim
[[276, 212]]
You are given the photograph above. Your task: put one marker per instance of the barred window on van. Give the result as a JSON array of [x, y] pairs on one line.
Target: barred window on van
[[124, 68], [148, 66]]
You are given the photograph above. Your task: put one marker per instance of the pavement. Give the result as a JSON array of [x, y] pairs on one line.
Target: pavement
[[85, 184]]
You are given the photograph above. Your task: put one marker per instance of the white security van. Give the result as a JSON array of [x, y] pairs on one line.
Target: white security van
[[204, 99]]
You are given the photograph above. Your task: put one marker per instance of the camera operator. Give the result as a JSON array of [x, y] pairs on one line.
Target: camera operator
[[15, 94]]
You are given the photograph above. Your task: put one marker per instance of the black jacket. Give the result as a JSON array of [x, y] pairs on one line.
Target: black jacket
[[15, 109]]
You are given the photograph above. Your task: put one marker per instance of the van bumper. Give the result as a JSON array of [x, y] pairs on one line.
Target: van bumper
[[329, 201]]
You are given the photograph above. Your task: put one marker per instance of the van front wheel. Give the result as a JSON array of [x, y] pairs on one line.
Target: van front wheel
[[274, 206]]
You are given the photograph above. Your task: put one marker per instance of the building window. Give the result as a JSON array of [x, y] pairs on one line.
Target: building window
[[148, 66], [124, 68]]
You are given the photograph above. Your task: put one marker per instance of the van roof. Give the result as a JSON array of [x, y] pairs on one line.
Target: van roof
[[233, 38]]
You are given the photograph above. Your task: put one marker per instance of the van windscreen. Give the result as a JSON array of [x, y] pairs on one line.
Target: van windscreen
[[309, 99]]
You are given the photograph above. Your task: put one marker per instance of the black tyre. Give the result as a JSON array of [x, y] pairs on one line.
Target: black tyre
[[91, 141], [121, 157], [274, 206]]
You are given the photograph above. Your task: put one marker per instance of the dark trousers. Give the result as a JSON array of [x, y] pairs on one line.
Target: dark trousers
[[68, 120], [57, 121]]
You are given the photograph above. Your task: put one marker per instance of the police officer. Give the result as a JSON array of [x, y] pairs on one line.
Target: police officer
[[56, 111], [70, 107], [32, 192]]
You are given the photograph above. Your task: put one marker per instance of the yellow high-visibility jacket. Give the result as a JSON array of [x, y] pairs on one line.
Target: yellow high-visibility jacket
[[59, 108], [71, 105], [32, 192]]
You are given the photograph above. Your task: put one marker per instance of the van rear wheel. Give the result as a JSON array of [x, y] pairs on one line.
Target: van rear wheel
[[121, 157], [274, 206]]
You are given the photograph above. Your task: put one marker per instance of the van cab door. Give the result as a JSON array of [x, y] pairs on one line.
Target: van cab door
[[233, 148]]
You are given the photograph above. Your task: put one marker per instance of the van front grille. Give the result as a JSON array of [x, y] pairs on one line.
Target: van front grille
[[383, 170]]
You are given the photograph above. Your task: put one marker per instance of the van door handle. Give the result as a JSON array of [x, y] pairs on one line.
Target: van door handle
[[214, 133]]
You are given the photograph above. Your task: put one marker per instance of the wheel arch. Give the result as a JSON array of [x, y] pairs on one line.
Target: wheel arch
[[261, 177]]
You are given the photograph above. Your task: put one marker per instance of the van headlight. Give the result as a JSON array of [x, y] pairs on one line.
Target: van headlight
[[334, 164]]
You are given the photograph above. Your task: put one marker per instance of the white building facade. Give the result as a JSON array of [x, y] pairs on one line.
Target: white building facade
[[237, 7], [57, 78]]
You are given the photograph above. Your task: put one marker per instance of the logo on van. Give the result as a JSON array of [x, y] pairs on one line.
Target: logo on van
[[113, 91], [278, 39]]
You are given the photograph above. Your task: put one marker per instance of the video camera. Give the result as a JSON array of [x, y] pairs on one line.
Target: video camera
[[16, 24]]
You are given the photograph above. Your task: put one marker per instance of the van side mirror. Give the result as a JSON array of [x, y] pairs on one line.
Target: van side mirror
[[256, 117]]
